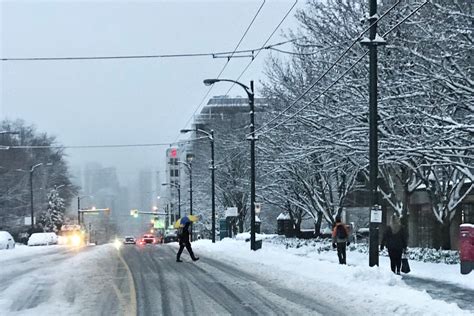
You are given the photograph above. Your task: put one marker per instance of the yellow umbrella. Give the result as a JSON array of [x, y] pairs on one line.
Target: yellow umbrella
[[186, 219]]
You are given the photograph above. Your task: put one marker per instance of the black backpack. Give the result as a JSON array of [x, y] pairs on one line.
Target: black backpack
[[341, 232]]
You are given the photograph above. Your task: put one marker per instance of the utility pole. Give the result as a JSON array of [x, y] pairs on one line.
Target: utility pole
[[32, 212], [190, 189], [213, 193], [373, 42], [252, 167], [78, 210], [179, 200]]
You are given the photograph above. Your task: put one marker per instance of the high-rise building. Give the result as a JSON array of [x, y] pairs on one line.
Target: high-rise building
[[229, 118]]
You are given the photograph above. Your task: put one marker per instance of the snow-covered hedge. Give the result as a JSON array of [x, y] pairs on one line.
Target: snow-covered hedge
[[323, 245]]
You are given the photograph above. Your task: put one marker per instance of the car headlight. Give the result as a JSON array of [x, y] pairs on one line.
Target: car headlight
[[117, 244], [75, 240]]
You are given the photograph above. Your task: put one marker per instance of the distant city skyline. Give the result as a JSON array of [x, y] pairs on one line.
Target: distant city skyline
[[125, 101]]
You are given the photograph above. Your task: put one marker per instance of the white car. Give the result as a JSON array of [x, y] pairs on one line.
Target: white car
[[6, 240], [41, 239]]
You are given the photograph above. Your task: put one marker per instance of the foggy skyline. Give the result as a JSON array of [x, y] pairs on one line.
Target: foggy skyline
[[136, 101]]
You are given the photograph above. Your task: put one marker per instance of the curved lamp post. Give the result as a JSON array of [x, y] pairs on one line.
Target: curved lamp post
[[210, 135], [32, 169], [251, 97], [190, 169], [178, 188]]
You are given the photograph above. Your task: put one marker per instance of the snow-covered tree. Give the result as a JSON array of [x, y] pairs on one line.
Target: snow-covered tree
[[426, 114], [52, 219]]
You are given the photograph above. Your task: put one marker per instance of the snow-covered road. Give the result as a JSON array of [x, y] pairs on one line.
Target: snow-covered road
[[229, 279], [211, 287], [59, 280]]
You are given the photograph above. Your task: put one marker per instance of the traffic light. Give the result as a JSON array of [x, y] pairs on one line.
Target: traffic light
[[134, 213]]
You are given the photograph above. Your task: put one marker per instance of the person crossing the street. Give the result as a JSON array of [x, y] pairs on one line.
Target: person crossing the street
[[184, 242]]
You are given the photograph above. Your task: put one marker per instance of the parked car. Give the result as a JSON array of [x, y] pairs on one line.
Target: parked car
[[43, 239], [129, 240], [6, 240], [170, 236]]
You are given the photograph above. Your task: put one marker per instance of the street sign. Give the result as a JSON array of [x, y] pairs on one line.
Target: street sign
[[159, 224], [376, 214], [28, 220], [231, 211]]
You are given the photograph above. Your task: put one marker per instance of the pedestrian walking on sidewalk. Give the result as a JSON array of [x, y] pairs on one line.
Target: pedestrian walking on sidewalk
[[183, 238], [340, 239], [395, 241]]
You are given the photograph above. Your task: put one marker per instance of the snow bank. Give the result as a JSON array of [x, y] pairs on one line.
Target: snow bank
[[376, 289]]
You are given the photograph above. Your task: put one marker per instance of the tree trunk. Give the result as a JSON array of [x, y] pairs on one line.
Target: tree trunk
[[445, 236], [317, 225], [297, 227], [241, 225], [442, 236]]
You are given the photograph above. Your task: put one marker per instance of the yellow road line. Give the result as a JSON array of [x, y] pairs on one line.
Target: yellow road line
[[131, 284]]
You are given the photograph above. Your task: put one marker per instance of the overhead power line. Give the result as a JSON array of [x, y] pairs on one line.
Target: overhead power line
[[183, 55], [340, 77], [101, 146], [265, 43], [225, 66], [321, 77]]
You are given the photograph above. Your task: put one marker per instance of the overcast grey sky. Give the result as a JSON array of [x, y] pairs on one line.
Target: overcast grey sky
[[124, 101]]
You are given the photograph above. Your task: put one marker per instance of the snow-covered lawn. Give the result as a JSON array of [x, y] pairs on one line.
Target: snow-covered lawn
[[319, 274]]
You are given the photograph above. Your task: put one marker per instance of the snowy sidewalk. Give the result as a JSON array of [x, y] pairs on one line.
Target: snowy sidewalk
[[445, 291], [377, 288]]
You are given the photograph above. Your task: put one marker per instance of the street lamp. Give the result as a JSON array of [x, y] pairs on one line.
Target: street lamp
[[178, 188], [79, 198], [252, 138], [188, 164], [7, 133], [190, 169], [210, 135], [32, 169], [62, 186]]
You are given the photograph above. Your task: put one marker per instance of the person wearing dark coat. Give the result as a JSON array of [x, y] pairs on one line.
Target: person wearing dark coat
[[395, 241], [340, 238], [184, 242]]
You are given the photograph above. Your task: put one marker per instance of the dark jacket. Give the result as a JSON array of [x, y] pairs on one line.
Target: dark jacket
[[184, 233], [394, 241]]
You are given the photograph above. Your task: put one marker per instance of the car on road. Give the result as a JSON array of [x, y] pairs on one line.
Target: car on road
[[129, 240], [43, 239], [148, 239], [6, 240], [171, 236]]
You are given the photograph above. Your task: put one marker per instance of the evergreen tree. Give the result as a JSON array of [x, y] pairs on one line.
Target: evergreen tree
[[53, 218]]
